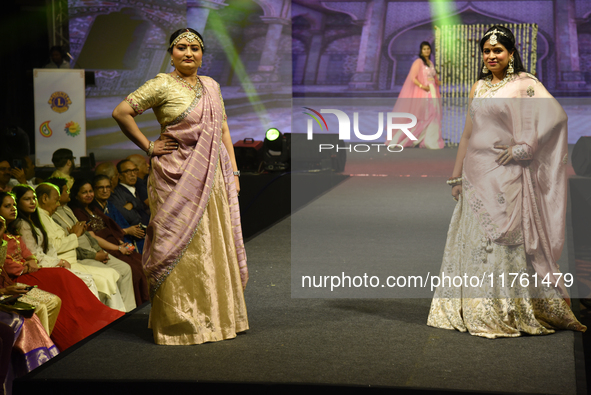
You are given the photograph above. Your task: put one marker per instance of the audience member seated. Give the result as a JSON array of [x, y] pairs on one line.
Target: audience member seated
[[24, 174], [110, 170], [5, 174], [65, 243], [102, 191], [124, 196], [29, 227], [81, 313], [89, 248], [109, 235], [25, 343], [142, 177], [57, 61], [20, 261], [63, 160]]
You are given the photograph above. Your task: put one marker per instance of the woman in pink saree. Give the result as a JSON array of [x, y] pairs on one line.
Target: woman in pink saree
[[420, 96], [510, 183], [194, 254]]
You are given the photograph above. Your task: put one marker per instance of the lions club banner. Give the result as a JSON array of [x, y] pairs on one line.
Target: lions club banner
[[60, 113]]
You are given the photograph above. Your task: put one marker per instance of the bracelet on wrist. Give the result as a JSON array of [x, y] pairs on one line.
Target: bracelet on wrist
[[453, 181], [150, 150]]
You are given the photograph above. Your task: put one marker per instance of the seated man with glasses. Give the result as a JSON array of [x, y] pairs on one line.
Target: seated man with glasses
[[124, 196], [101, 184]]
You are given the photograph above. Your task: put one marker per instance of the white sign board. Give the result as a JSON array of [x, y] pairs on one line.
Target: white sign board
[[60, 113]]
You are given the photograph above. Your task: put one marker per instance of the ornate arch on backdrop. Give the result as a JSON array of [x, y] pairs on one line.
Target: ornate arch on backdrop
[[166, 18], [341, 74], [299, 58], [542, 36]]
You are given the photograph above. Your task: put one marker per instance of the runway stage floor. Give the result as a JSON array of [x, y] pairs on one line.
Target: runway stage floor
[[371, 344]]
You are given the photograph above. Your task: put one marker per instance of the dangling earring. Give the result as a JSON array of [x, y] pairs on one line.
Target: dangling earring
[[200, 63], [510, 69], [484, 68], [171, 62]]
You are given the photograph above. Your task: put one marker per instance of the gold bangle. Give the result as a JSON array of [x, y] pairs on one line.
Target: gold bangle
[[150, 150]]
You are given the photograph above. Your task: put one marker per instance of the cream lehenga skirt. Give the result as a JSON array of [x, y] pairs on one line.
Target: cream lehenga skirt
[[491, 310], [202, 299]]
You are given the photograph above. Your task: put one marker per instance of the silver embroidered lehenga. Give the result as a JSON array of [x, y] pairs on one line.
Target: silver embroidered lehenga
[[509, 219]]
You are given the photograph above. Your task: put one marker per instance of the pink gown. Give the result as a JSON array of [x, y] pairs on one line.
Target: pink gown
[[426, 106]]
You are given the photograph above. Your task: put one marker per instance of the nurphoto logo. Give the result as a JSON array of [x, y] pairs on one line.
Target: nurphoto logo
[[345, 129]]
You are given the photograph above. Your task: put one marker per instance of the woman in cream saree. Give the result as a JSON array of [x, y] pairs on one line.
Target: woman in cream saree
[[194, 254]]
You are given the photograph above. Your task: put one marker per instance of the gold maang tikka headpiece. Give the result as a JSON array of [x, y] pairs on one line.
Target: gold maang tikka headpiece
[[493, 38], [190, 38]]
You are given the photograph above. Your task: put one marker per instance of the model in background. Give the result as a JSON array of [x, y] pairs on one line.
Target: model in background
[[420, 96]]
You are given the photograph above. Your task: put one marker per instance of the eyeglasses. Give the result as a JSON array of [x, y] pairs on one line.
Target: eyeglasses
[[129, 171], [106, 188]]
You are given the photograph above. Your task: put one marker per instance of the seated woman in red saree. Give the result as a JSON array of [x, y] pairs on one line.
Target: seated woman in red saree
[[81, 312], [109, 235]]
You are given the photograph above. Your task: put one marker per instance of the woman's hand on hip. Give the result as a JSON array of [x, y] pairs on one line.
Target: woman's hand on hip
[[165, 146], [506, 156]]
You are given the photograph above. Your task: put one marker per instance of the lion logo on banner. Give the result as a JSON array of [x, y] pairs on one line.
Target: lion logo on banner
[[59, 102]]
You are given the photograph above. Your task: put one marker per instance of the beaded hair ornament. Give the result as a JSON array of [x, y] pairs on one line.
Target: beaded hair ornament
[[190, 38], [493, 38]]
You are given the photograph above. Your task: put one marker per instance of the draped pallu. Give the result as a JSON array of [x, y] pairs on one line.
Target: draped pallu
[[194, 255], [523, 202]]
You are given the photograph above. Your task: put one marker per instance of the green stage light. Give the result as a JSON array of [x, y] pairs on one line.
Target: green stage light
[[272, 134]]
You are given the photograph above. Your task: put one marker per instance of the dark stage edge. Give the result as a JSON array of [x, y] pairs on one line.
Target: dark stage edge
[[347, 345]]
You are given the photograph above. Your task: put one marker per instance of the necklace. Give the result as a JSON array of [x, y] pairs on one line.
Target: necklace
[[197, 87], [499, 84], [92, 215]]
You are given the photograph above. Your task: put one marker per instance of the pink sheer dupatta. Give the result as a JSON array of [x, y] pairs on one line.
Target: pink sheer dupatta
[[426, 106]]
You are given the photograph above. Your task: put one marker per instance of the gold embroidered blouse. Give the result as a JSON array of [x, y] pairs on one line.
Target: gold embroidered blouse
[[168, 96]]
